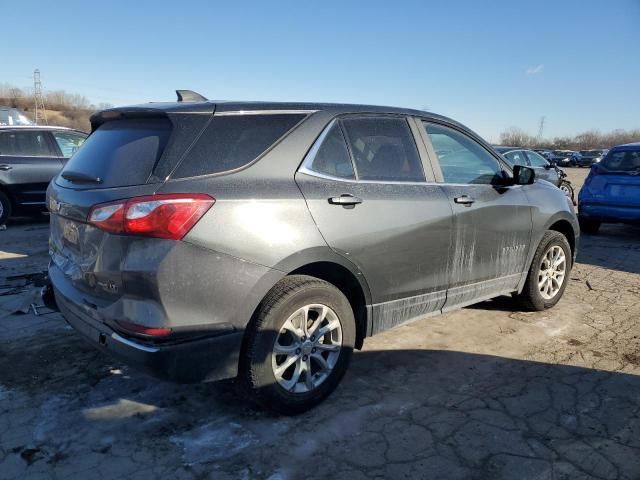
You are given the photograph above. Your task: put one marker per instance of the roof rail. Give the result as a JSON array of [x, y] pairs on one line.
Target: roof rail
[[190, 96]]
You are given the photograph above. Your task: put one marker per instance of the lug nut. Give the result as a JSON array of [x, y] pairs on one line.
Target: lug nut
[[304, 338], [312, 338], [298, 351], [304, 358], [313, 350]]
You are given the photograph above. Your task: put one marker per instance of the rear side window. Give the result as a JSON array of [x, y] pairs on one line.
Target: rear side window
[[383, 149], [233, 141], [69, 143], [622, 161], [332, 158], [25, 143], [122, 152]]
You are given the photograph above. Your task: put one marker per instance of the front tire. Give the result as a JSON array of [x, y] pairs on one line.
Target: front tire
[[548, 274], [298, 345]]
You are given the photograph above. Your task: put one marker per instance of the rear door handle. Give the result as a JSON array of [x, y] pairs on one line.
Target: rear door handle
[[5, 167], [345, 200], [464, 200]]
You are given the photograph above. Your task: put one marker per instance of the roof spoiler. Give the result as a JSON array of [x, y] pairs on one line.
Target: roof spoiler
[[190, 96]]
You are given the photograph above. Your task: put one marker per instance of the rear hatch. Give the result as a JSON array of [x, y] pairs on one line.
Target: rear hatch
[[128, 154], [616, 179]]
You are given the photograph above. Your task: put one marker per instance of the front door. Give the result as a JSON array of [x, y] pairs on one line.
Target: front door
[[365, 187], [491, 236]]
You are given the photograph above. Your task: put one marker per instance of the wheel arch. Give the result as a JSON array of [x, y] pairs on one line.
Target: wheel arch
[[564, 227], [326, 264]]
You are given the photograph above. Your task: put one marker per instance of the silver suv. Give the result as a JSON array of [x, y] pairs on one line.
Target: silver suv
[[265, 241]]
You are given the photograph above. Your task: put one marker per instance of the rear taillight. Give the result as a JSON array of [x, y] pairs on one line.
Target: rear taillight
[[161, 216], [142, 330]]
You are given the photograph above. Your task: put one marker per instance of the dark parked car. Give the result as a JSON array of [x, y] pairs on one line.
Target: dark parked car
[[611, 191], [543, 168], [589, 157], [30, 156], [564, 158], [202, 241]]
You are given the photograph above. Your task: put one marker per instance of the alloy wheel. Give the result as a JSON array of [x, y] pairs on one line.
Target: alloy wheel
[[552, 272], [307, 348]]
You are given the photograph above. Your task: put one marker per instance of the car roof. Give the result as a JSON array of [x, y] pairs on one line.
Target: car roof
[[252, 106], [503, 149], [39, 127], [627, 146]]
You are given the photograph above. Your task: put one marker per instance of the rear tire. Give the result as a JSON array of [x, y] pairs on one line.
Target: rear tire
[[588, 226], [548, 274], [5, 208], [311, 323]]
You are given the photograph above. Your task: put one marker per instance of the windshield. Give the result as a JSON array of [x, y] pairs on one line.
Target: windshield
[[622, 161]]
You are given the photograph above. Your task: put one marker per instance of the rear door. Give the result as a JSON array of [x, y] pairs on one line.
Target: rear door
[[28, 161], [492, 225], [366, 189]]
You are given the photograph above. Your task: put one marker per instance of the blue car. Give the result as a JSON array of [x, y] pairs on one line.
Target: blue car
[[611, 192]]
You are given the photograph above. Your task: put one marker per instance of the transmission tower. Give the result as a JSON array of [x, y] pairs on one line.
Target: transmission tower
[[39, 110], [541, 127]]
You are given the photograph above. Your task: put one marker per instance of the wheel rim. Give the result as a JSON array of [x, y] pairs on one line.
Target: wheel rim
[[551, 275], [307, 348]]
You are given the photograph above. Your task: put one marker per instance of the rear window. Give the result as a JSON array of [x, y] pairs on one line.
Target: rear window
[[622, 161], [121, 152], [233, 141]]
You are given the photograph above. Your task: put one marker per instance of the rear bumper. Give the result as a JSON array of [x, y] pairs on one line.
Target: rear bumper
[[200, 360], [609, 214]]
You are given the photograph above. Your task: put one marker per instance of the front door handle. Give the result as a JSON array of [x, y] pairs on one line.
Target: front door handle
[[5, 167], [464, 200], [345, 200]]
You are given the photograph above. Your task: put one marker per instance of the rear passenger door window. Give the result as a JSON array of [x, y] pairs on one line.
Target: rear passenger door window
[[462, 160], [332, 157], [383, 149], [516, 157]]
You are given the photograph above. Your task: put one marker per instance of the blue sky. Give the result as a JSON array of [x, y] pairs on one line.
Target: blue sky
[[488, 64]]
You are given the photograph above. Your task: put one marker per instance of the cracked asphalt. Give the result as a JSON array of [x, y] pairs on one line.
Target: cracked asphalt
[[487, 392]]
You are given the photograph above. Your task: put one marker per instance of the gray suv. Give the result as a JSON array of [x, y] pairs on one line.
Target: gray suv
[[265, 241]]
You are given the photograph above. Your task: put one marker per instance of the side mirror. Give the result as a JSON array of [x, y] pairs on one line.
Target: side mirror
[[523, 175]]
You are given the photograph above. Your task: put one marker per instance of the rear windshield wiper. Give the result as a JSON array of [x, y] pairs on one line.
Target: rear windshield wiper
[[78, 177]]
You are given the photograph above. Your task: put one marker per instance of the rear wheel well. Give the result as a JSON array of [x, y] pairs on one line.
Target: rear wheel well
[[565, 228], [348, 284]]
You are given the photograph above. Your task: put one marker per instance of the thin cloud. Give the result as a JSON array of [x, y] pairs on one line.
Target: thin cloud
[[535, 70]]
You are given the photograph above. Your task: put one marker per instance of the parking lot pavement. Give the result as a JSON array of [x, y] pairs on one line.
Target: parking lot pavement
[[487, 392]]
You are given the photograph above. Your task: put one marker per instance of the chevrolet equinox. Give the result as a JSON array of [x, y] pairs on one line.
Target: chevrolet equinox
[[203, 240]]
